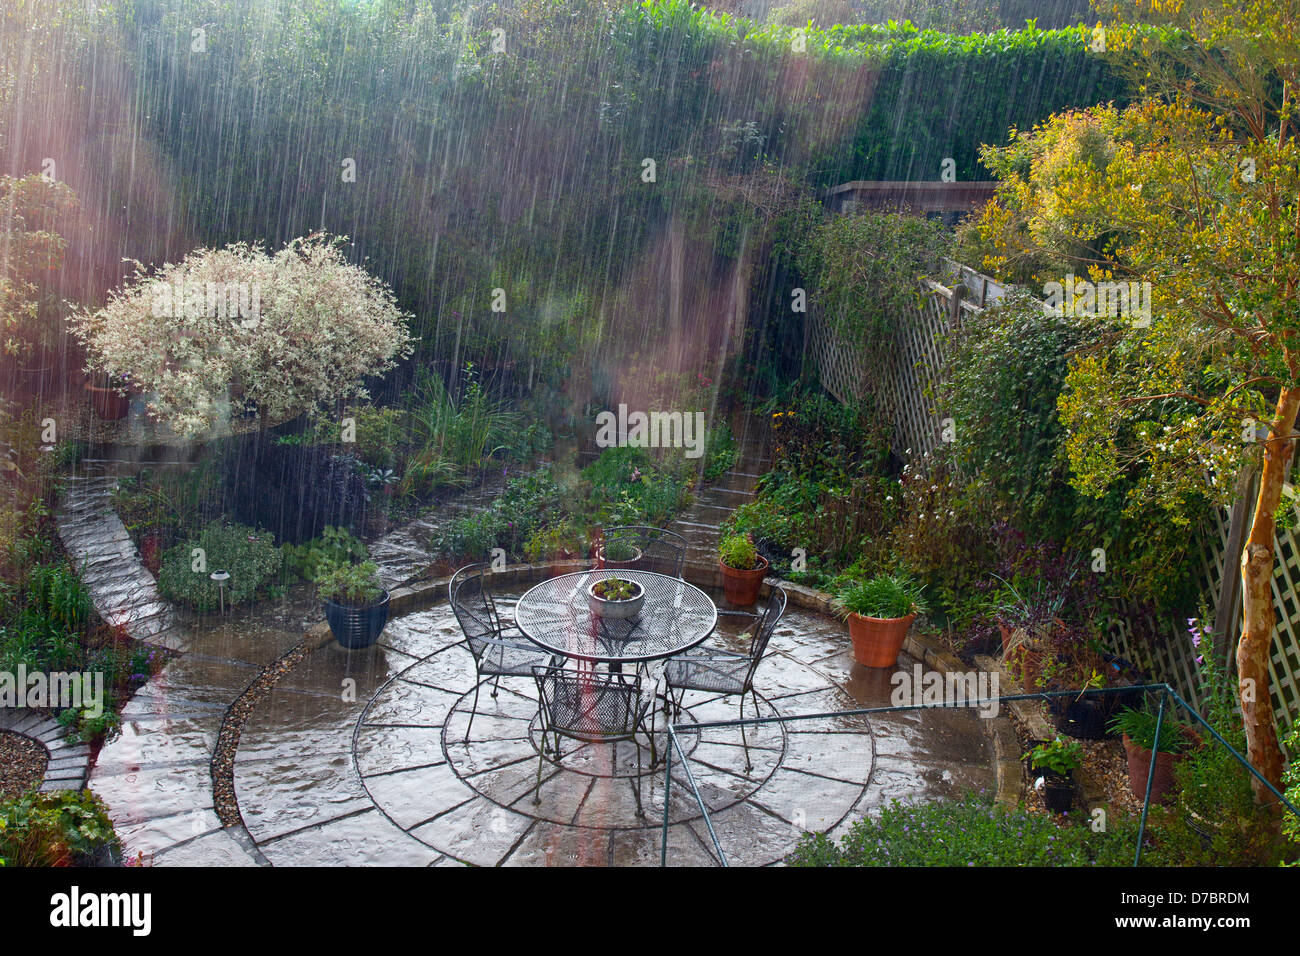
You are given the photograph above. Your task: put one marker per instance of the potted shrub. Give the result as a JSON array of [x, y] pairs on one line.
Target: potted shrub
[[742, 567], [1057, 761], [356, 605], [109, 396], [615, 597], [880, 611], [1138, 728]]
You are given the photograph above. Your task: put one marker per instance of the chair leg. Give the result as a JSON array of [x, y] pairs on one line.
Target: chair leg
[[744, 741], [473, 709], [640, 811], [495, 684]]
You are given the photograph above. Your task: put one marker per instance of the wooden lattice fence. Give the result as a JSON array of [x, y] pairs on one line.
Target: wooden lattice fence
[[903, 385]]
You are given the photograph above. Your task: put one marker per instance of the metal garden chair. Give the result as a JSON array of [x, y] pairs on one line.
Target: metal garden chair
[[497, 651], [725, 672], [661, 551], [592, 707]]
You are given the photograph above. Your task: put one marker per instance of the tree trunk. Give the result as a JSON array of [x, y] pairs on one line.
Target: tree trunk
[[1258, 619]]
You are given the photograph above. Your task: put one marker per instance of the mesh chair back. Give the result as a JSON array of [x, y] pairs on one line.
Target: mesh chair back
[[661, 551], [589, 705], [476, 612], [772, 614]]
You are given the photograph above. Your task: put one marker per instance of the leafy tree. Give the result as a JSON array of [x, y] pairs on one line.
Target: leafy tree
[[1193, 190]]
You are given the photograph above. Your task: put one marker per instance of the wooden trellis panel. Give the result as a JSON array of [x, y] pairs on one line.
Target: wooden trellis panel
[[903, 385]]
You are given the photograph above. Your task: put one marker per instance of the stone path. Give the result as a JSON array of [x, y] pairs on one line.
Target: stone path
[[155, 775], [67, 767], [365, 759], [123, 590]]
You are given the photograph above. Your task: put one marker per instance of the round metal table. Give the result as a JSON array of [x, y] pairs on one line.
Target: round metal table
[[676, 616]]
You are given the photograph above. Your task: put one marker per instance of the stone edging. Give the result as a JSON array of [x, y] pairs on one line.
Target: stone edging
[[69, 762]]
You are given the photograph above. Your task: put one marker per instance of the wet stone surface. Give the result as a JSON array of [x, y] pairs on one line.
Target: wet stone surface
[[371, 758]]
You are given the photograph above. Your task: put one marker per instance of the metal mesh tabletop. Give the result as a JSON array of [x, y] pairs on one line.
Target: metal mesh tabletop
[[675, 617]]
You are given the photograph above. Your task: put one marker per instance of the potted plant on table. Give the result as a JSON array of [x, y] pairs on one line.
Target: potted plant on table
[[356, 604], [1056, 761], [879, 611], [743, 569], [1138, 728], [615, 597]]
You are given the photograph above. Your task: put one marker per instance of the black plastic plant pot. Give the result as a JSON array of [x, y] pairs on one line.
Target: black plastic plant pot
[[357, 627], [1058, 792]]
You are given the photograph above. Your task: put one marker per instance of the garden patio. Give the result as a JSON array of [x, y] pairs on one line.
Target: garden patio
[[633, 433]]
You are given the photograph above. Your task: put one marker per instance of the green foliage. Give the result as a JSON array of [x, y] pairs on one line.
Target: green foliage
[[719, 452], [335, 545], [249, 556], [1140, 726], [63, 828], [352, 585], [968, 832], [86, 727], [527, 504], [737, 551], [864, 271], [463, 431], [627, 487], [560, 540], [884, 596], [1059, 756]]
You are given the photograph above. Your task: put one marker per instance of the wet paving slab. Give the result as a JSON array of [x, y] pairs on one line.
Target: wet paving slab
[[395, 751]]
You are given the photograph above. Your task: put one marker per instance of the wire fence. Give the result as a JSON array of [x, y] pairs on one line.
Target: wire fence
[[1159, 700]]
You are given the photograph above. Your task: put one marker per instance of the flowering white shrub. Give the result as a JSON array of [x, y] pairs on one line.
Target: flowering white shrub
[[295, 331]]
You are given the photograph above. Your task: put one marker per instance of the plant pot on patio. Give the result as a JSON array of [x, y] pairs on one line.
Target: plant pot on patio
[[880, 611], [1139, 764], [877, 641], [743, 569], [356, 606]]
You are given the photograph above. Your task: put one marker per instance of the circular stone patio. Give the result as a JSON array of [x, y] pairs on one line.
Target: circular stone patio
[[365, 758]]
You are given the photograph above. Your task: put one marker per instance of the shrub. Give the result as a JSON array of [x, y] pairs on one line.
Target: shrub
[[320, 325], [250, 557], [968, 832], [352, 585], [64, 828], [334, 545]]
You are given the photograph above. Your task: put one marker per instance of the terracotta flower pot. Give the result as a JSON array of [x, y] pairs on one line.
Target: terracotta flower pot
[[877, 641], [741, 587], [109, 404], [1139, 762]]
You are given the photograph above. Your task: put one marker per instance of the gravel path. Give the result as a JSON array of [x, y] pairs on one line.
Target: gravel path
[[22, 763]]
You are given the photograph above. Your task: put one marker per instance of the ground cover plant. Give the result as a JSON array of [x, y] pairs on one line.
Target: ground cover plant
[[971, 831]]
